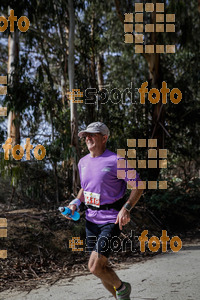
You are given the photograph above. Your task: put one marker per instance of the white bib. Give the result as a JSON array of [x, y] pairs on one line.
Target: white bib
[[92, 199]]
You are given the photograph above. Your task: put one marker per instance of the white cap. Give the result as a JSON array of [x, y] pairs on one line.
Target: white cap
[[96, 127]]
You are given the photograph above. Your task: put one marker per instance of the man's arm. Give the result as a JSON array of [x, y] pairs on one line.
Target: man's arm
[[80, 195], [73, 207], [134, 197], [123, 216]]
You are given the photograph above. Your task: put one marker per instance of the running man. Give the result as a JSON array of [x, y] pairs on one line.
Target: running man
[[107, 212]]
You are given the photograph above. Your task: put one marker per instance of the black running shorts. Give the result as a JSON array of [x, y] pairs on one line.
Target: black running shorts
[[101, 237]]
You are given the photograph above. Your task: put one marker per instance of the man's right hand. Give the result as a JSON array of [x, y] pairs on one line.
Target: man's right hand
[[73, 208]]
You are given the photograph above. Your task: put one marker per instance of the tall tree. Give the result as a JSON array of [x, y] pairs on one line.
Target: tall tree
[[155, 80], [13, 59], [73, 108]]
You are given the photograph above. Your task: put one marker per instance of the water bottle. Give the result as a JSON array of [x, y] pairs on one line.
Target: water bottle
[[66, 211]]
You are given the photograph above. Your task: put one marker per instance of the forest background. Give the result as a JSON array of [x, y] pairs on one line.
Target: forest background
[[80, 45]]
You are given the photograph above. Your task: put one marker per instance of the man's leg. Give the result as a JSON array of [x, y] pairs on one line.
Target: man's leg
[[98, 265], [109, 288]]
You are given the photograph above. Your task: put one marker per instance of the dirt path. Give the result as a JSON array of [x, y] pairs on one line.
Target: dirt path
[[166, 276]]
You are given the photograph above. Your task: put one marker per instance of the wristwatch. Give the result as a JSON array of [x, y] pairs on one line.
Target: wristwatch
[[127, 206]]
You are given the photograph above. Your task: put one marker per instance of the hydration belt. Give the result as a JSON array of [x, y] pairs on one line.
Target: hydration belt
[[116, 205]]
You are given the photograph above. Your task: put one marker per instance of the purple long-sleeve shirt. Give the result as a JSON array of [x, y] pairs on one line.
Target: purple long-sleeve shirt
[[99, 175]]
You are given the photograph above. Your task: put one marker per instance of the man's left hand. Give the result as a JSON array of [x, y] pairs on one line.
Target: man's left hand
[[123, 218]]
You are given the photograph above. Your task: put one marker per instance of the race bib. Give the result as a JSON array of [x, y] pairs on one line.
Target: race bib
[[92, 199]]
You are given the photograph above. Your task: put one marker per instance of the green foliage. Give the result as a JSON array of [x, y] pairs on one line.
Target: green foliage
[[40, 82], [179, 204]]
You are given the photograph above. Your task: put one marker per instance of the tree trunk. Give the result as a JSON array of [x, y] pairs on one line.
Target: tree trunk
[[64, 86], [51, 82], [91, 108], [54, 162], [100, 71], [64, 56], [63, 67], [13, 57], [155, 80], [100, 84], [73, 110]]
